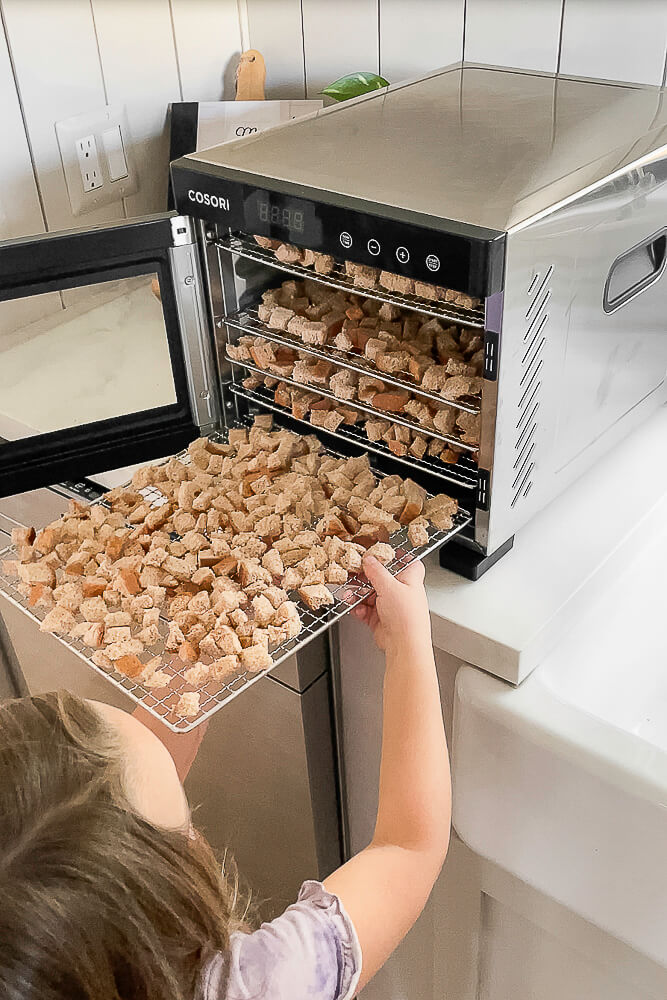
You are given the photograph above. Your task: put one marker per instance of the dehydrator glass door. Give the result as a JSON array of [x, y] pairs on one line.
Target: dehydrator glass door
[[92, 367]]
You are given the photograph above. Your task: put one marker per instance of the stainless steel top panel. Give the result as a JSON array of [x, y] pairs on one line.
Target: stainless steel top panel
[[477, 145]]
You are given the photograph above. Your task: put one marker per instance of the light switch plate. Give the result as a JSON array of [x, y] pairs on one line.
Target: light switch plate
[[116, 181], [114, 149]]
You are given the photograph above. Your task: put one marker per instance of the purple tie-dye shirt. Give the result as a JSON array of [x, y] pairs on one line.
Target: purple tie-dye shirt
[[310, 952]]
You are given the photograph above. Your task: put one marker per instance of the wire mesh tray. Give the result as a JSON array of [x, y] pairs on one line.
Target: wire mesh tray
[[464, 473], [356, 405], [245, 246], [162, 702], [247, 321]]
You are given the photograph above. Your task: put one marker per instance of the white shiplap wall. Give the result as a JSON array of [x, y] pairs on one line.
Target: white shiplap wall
[[60, 58], [308, 43], [63, 57]]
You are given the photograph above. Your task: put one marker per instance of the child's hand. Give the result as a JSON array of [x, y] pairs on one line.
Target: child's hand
[[397, 613]]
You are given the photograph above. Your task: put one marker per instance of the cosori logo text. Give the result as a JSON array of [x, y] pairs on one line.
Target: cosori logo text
[[213, 200]]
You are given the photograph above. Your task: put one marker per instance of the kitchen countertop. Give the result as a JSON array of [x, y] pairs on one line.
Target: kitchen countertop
[[562, 561]]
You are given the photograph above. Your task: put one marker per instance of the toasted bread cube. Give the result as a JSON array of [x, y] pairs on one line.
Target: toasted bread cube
[[226, 638], [157, 679], [272, 561], [350, 558], [198, 675], [93, 586], [288, 254], [335, 573], [203, 578], [149, 636], [22, 536], [200, 603], [130, 665], [392, 402], [255, 658], [174, 638], [397, 283], [94, 609], [264, 611], [266, 243], [458, 386], [188, 704], [128, 647], [292, 579], [324, 263], [418, 532], [40, 572], [117, 633], [225, 667], [365, 276], [435, 378], [316, 597], [90, 633], [187, 652], [382, 552], [100, 659]]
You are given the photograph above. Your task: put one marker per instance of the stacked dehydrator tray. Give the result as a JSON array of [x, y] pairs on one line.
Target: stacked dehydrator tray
[[458, 277]]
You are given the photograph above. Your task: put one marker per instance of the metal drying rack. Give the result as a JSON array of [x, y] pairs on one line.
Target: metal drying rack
[[245, 246], [372, 411], [161, 702], [464, 473], [247, 321]]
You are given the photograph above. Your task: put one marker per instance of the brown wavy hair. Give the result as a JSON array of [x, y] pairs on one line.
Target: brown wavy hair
[[95, 902]]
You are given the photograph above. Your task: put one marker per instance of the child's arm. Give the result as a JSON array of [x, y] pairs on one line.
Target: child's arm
[[385, 887]]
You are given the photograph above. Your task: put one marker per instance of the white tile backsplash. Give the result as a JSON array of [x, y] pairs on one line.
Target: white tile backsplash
[[338, 39], [521, 33], [276, 30], [614, 40], [144, 86], [57, 65], [208, 44], [420, 37]]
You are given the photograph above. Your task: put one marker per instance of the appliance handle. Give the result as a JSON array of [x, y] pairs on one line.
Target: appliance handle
[[635, 270]]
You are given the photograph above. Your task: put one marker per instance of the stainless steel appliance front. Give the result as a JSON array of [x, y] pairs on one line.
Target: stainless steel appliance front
[[539, 193]]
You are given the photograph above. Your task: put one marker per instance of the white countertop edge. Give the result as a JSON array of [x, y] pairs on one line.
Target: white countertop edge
[[561, 562], [540, 717]]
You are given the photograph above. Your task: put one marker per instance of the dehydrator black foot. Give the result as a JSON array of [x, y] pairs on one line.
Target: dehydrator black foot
[[468, 563]]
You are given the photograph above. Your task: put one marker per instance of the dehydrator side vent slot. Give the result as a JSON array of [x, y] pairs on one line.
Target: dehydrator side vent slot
[[530, 384]]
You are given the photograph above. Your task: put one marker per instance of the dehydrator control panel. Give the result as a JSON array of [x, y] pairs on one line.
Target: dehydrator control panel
[[468, 261]]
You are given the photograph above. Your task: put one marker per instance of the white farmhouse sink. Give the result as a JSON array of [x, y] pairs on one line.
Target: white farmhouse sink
[[563, 780]]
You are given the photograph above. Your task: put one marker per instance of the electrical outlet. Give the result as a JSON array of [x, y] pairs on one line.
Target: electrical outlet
[[96, 153], [89, 164]]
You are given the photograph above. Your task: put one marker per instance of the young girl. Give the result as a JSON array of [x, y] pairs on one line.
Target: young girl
[[107, 893]]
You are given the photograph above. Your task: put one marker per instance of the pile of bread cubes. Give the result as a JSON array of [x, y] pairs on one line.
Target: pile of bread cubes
[[444, 360], [205, 569]]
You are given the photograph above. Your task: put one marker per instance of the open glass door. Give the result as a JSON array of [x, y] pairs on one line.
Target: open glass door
[[102, 350]]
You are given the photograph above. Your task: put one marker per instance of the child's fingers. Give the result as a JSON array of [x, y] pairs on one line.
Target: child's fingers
[[412, 575], [379, 577], [364, 613]]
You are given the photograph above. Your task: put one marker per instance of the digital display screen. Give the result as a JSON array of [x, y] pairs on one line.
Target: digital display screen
[[269, 213], [287, 218]]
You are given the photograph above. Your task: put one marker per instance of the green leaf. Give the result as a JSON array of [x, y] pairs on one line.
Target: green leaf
[[354, 85]]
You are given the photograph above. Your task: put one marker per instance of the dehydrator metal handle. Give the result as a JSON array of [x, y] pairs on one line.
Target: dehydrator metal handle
[[635, 270]]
